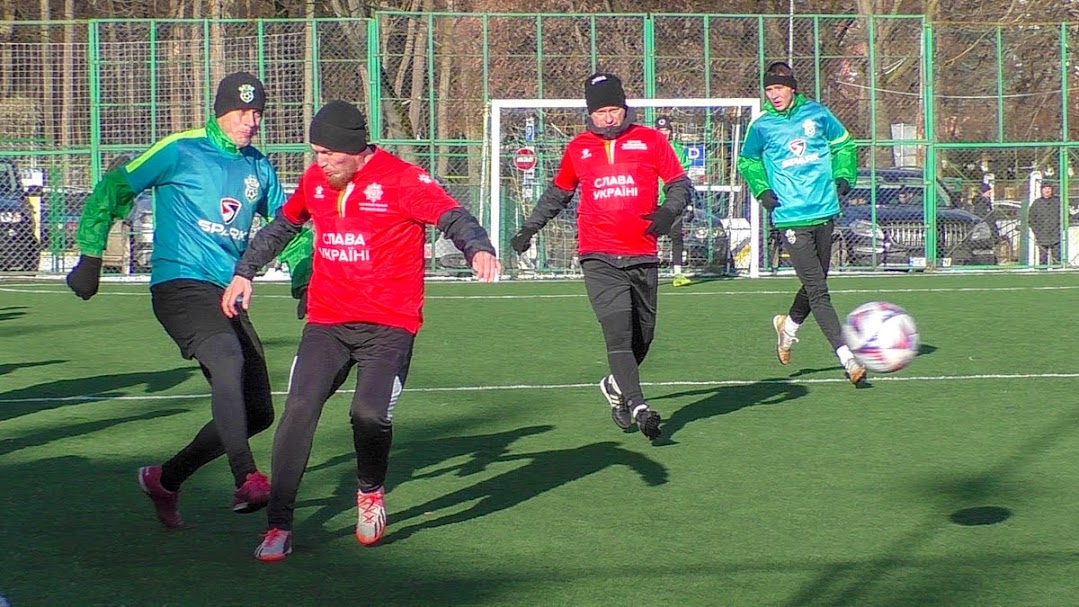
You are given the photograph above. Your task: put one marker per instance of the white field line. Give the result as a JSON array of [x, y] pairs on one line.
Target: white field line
[[494, 388], [22, 289]]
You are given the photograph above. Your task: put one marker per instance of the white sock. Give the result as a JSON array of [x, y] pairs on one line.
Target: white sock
[[677, 269], [790, 327], [843, 352]]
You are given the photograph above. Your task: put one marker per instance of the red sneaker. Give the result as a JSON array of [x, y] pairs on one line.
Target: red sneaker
[[165, 501], [371, 520], [253, 495]]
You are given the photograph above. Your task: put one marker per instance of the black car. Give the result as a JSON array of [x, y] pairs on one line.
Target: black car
[[890, 229], [19, 247]]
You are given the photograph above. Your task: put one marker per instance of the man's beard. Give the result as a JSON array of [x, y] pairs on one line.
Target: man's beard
[[338, 182]]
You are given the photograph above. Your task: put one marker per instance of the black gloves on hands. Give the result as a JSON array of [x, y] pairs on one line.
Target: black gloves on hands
[[301, 306], [768, 200], [522, 240], [842, 187], [662, 219], [85, 276]]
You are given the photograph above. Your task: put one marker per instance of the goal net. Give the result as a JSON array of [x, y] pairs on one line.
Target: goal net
[[524, 146]]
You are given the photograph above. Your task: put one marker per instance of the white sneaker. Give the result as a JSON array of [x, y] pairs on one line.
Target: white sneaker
[[783, 341], [371, 517]]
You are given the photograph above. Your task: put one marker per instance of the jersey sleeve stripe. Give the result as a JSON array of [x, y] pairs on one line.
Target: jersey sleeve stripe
[[145, 156]]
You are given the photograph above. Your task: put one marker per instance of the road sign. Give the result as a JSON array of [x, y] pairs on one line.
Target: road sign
[[525, 159]]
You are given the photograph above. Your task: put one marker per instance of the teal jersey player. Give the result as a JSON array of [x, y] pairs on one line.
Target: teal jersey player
[[207, 193], [798, 153]]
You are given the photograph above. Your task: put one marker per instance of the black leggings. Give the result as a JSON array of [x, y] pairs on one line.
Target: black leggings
[[624, 301], [241, 405], [326, 355]]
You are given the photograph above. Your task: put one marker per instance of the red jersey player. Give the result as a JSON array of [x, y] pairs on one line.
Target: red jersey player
[[617, 165], [369, 211]]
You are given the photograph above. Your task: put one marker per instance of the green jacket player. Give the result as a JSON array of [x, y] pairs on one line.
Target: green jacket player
[[209, 184]]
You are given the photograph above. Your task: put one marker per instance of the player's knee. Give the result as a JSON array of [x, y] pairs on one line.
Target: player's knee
[[617, 330], [366, 421]]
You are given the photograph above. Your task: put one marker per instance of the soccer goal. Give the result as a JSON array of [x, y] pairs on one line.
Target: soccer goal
[[524, 146]]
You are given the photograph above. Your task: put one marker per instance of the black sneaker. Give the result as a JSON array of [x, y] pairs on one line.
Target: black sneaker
[[648, 423], [619, 410]]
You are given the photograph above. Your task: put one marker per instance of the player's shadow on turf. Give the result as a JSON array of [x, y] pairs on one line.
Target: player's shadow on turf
[[409, 460], [546, 470], [12, 312], [12, 367], [44, 437], [61, 392], [54, 327], [724, 400]]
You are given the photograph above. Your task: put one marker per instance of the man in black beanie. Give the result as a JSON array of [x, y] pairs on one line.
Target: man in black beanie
[[209, 183], [618, 165], [797, 160], [370, 210]]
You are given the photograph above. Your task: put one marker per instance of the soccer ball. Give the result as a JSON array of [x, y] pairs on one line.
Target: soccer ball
[[882, 336]]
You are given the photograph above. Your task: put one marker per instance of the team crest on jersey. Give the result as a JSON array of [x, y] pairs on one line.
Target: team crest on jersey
[[318, 192], [247, 93], [797, 147], [230, 207], [634, 144], [373, 192], [251, 188], [809, 127], [791, 236], [586, 153]]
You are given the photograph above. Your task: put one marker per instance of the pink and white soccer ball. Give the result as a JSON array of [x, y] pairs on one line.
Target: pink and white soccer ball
[[882, 336]]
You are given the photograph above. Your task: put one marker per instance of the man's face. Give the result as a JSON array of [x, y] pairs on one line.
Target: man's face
[[339, 167], [1047, 191], [608, 117], [666, 132], [780, 95], [241, 126]]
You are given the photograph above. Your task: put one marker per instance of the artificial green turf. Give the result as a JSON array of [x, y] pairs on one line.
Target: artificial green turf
[[772, 486]]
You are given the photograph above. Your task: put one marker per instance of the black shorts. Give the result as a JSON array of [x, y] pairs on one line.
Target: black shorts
[[613, 289], [190, 311]]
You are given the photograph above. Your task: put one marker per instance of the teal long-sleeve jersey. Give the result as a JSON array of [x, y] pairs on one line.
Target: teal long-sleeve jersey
[[798, 154], [207, 193]]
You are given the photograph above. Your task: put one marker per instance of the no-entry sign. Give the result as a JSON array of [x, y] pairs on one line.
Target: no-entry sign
[[524, 159]]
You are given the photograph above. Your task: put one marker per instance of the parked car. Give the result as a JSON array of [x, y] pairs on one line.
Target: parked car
[[890, 230], [19, 246]]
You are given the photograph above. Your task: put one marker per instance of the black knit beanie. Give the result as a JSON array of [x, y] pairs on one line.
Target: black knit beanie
[[239, 91], [341, 127], [603, 90], [780, 73], [664, 122]]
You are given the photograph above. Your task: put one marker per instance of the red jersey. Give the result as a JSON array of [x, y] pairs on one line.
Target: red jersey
[[368, 263], [619, 181]]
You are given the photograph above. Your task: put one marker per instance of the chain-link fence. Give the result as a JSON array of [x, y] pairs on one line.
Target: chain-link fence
[[939, 111]]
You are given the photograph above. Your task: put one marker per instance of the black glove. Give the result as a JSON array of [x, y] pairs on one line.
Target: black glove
[[842, 187], [301, 306], [522, 240], [662, 219], [85, 276], [768, 200]]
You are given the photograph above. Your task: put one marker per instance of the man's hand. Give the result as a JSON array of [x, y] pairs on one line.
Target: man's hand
[[85, 277], [521, 241], [486, 266], [842, 186], [768, 200], [238, 289], [301, 306], [662, 219]]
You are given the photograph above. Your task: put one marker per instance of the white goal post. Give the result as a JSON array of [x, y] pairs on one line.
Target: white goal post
[[524, 145]]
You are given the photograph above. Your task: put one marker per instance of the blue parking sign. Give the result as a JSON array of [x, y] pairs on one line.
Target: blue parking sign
[[695, 153]]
